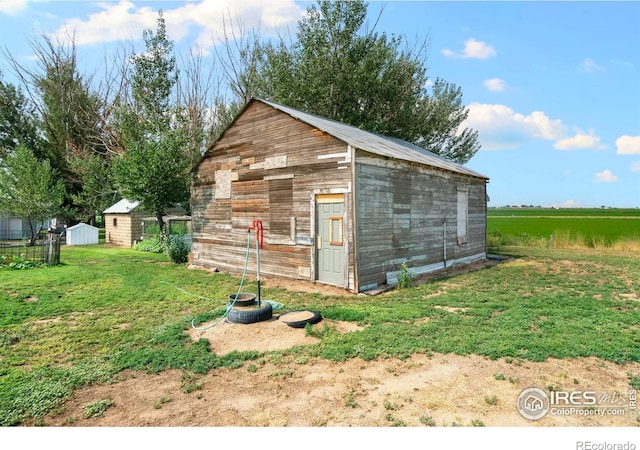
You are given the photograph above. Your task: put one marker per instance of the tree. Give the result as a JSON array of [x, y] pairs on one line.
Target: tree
[[74, 123], [154, 166], [29, 189], [338, 69], [18, 120]]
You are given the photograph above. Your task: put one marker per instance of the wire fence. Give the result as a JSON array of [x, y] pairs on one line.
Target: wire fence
[[13, 248]]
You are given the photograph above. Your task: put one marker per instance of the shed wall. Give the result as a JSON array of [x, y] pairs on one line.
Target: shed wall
[[401, 210], [82, 234], [126, 232], [269, 167]]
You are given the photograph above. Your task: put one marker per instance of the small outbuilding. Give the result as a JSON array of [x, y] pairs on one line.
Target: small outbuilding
[[82, 234], [123, 223], [127, 223], [339, 205]]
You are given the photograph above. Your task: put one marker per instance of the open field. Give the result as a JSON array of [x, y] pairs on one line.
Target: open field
[[105, 339], [590, 228]]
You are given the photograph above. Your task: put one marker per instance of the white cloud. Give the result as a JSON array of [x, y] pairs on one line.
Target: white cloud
[[567, 204], [495, 84], [628, 145], [635, 166], [589, 65], [606, 176], [472, 49], [500, 127], [12, 7], [580, 141], [125, 20]]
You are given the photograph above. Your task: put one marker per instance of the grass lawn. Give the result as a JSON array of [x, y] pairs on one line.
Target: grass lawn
[[105, 310]]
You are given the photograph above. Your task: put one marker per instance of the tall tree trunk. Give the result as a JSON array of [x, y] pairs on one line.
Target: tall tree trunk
[[160, 224]]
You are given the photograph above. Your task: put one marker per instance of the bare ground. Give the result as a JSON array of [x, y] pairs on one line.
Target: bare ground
[[447, 389], [435, 390]]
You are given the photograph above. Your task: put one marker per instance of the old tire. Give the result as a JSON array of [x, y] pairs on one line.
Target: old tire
[[245, 299], [250, 314], [299, 319]]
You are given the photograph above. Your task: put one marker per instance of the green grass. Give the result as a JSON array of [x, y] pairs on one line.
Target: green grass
[[106, 309], [576, 227], [563, 212]]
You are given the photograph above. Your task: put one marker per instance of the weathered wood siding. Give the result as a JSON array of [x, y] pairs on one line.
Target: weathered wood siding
[[401, 208], [267, 166], [127, 231]]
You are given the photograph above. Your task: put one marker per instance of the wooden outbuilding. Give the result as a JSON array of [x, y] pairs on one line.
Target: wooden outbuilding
[[339, 205], [125, 221]]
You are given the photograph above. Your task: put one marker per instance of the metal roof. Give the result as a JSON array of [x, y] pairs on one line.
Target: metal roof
[[124, 206], [375, 143]]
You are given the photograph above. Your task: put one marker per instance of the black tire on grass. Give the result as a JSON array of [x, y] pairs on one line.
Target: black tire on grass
[[252, 315], [245, 299], [315, 318]]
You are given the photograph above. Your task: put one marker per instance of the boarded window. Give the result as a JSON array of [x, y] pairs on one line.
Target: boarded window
[[463, 215], [223, 184], [280, 207]]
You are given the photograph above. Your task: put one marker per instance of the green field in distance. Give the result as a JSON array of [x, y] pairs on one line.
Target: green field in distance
[[611, 224]]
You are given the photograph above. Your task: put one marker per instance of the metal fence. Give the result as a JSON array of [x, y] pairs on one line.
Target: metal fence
[[45, 250]]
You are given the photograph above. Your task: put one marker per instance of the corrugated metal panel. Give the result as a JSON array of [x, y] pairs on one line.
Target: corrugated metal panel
[[375, 143], [124, 206]]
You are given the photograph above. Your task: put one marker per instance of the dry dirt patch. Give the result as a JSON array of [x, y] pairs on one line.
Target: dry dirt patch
[[268, 335], [448, 389], [443, 390]]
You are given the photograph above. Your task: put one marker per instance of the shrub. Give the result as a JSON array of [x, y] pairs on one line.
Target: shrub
[[177, 249], [151, 244], [405, 277]]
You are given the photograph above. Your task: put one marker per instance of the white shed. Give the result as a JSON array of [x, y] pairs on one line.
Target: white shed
[[82, 234]]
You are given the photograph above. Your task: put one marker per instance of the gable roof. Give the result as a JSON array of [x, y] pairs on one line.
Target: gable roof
[[124, 206], [373, 143]]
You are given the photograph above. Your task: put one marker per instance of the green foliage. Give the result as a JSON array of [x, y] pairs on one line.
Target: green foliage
[[405, 277], [190, 383], [18, 124], [491, 399], [161, 401], [177, 249], [29, 189], [634, 381], [97, 408], [427, 421], [151, 244], [18, 263], [154, 168], [340, 69], [174, 246], [96, 192]]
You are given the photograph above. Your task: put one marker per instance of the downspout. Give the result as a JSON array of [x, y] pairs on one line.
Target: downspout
[[444, 240]]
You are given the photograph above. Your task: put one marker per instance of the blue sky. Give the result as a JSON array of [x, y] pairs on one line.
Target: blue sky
[[552, 87]]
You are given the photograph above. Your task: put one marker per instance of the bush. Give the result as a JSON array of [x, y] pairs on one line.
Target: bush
[[177, 249], [405, 277], [151, 244]]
